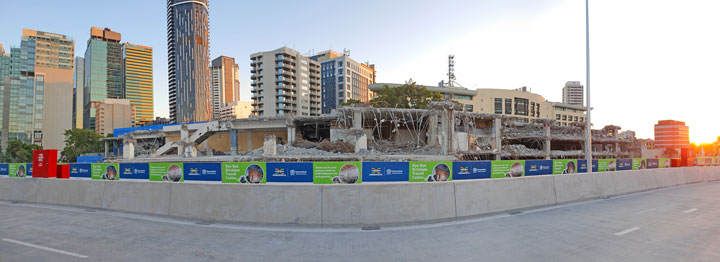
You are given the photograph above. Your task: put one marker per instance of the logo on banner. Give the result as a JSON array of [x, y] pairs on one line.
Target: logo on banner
[[464, 170], [377, 171], [533, 168], [194, 171], [128, 171], [279, 172], [74, 170]]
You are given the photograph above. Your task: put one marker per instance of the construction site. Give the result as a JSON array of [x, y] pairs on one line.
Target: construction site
[[360, 133]]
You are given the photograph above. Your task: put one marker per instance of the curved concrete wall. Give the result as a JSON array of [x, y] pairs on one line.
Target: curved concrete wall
[[366, 204]]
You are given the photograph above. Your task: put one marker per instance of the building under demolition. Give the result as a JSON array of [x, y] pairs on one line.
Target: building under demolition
[[443, 132]]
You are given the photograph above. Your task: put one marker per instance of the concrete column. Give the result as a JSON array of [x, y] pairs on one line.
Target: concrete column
[[291, 135], [432, 128], [233, 142], [249, 141], [444, 134], [116, 146], [548, 138], [269, 148], [451, 130], [129, 150], [357, 120], [497, 128], [107, 149]]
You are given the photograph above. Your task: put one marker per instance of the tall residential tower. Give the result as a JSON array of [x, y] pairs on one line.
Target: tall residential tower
[[138, 80], [343, 79], [284, 83], [103, 72], [188, 60], [573, 93], [224, 82]]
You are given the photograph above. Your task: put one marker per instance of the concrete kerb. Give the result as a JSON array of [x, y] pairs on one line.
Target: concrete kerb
[[258, 204], [579, 187]]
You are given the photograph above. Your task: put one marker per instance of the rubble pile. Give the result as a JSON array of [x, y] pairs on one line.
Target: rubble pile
[[326, 145]]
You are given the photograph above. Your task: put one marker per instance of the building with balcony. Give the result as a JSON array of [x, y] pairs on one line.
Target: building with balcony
[[285, 83], [78, 85], [236, 110], [573, 93], [224, 83], [138, 80], [112, 114], [343, 79]]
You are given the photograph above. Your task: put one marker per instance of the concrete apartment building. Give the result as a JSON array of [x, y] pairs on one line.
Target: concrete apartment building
[[236, 110], [188, 59], [114, 113], [138, 80], [224, 83], [672, 134], [285, 83], [343, 79], [573, 93], [519, 104], [78, 86], [103, 72], [36, 80]]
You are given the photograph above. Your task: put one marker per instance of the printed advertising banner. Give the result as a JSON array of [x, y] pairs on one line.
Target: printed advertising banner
[[430, 171], [605, 165], [508, 168], [624, 164], [244, 173], [337, 173], [664, 163], [202, 172], [653, 163], [471, 170], [285, 172], [564, 166], [4, 169], [538, 167], [17, 170], [104, 171], [139, 171], [170, 172], [385, 171], [582, 165], [80, 170], [29, 169], [639, 163]]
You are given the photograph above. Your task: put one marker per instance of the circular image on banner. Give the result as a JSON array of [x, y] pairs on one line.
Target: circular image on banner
[[110, 173], [174, 174], [516, 170], [20, 172], [642, 164], [349, 174], [570, 168], [611, 165], [253, 175], [440, 173], [667, 164]]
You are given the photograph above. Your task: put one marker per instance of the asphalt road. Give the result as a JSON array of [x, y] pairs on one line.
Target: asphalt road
[[675, 224]]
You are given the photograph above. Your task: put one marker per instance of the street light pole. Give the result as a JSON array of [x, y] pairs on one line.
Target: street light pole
[[588, 130]]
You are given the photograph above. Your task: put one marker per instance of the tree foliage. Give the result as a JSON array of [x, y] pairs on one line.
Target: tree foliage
[[19, 152], [80, 141], [408, 95], [350, 102]]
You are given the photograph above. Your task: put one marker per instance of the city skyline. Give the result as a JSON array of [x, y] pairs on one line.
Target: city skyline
[[498, 44]]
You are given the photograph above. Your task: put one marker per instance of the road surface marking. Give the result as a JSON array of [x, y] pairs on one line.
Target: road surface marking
[[690, 211], [626, 231], [44, 248]]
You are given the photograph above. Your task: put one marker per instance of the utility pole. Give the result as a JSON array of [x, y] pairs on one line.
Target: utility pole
[[588, 130]]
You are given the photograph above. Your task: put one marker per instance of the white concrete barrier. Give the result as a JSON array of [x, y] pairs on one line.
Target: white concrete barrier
[[714, 173], [265, 204], [631, 181], [137, 196], [668, 177], [577, 187], [85, 193], [388, 203], [19, 189], [496, 195], [694, 174]]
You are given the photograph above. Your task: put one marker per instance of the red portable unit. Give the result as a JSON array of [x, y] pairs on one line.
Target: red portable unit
[[63, 171], [45, 163]]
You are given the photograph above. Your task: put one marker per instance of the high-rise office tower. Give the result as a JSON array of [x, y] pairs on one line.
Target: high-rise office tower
[[343, 79], [224, 83], [37, 86], [188, 60], [78, 84], [103, 72], [138, 80], [573, 93], [284, 83]]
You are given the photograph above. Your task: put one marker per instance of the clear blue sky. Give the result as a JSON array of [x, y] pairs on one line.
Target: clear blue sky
[[653, 59]]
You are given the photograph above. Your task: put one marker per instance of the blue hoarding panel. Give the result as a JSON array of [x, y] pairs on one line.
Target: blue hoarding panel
[[385, 171], [135, 171], [538, 167], [89, 159], [653, 163], [624, 164], [284, 172], [80, 170], [471, 170], [202, 171], [4, 169], [582, 165], [28, 167]]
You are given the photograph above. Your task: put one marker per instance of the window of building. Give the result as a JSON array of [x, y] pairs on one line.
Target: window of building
[[564, 117], [508, 106], [521, 106], [557, 117], [498, 106], [463, 97], [576, 118], [532, 108], [468, 108]]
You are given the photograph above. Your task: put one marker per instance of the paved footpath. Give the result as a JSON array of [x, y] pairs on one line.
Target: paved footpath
[[674, 224]]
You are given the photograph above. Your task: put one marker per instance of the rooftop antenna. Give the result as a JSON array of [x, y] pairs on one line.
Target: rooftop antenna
[[346, 52], [451, 71]]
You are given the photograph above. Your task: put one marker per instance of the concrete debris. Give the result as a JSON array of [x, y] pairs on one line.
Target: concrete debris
[[520, 150], [326, 145]]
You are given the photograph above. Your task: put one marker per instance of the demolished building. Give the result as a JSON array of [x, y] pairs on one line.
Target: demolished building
[[442, 132]]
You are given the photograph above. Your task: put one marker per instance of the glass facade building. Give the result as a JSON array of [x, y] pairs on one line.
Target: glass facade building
[[103, 72], [138, 80], [78, 80], [188, 60]]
